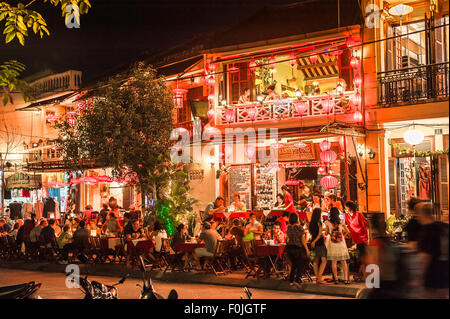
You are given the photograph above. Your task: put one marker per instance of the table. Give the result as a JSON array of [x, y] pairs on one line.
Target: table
[[276, 212], [139, 246], [269, 252], [188, 247], [218, 216], [109, 243]]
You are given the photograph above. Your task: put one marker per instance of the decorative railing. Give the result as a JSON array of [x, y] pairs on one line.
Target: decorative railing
[[414, 85], [42, 154], [69, 80], [286, 109]]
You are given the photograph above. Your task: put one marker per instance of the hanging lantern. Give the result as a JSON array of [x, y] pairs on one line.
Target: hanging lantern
[[104, 179], [356, 99], [211, 67], [251, 150], [327, 105], [233, 69], [341, 143], [357, 117], [252, 113], [211, 81], [229, 115], [228, 150], [211, 114], [325, 145], [272, 62], [313, 58], [357, 81], [292, 59], [90, 180], [277, 145], [328, 182], [75, 181], [179, 97], [301, 107], [252, 65], [354, 62], [300, 145], [413, 137], [328, 156], [322, 170]]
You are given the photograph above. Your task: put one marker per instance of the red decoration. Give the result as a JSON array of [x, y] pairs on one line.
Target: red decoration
[[211, 80], [104, 179], [211, 113], [251, 150], [357, 117], [341, 143], [356, 99], [355, 62], [90, 180], [357, 81], [328, 156], [325, 145], [328, 182], [233, 69], [327, 105], [300, 145], [322, 170], [229, 115], [313, 58], [75, 181], [252, 65], [277, 145], [301, 107], [252, 113], [292, 59], [292, 183], [179, 97]]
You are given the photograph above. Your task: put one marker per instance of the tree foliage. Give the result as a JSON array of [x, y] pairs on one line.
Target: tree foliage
[[10, 82], [20, 19]]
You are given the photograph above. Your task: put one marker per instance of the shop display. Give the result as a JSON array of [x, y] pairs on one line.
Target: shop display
[[265, 187], [240, 184]]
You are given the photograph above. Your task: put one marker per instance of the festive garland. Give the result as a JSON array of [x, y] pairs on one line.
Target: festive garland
[[402, 150]]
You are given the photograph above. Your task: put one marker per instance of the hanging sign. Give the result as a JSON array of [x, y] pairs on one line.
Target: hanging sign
[[24, 181], [239, 183], [289, 152]]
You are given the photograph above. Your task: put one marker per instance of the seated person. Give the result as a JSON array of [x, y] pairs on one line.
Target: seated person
[[254, 227], [271, 94], [112, 226], [48, 233], [134, 214], [213, 207], [278, 236], [237, 205], [65, 237], [283, 220], [236, 232], [92, 226], [157, 235], [4, 227], [280, 201], [135, 232], [209, 237], [80, 242], [127, 221], [245, 97], [36, 232], [180, 236], [87, 213]]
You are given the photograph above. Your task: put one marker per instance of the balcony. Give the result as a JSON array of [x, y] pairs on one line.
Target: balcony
[[66, 81], [46, 153], [285, 110], [428, 83]]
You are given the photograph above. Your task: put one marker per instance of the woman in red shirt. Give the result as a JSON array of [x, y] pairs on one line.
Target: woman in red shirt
[[288, 200]]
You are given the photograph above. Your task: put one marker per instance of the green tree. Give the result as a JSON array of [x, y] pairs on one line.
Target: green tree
[[18, 21], [126, 124]]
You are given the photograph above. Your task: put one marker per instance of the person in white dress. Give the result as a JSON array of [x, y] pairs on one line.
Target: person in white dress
[[337, 248]]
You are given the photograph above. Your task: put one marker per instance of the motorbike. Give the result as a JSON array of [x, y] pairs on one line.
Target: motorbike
[[147, 290], [23, 291], [248, 293], [96, 290]]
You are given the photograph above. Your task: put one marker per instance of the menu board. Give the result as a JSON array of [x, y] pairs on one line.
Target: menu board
[[239, 182], [265, 186]]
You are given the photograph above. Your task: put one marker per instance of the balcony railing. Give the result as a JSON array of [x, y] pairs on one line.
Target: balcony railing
[[42, 154], [414, 85], [285, 109], [69, 80]]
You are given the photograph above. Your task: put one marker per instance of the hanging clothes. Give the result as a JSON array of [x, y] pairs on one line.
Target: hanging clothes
[[26, 193], [424, 183], [49, 207], [27, 210], [39, 209], [15, 209]]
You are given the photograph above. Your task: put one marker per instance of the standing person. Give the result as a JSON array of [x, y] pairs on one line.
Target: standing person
[[297, 250], [433, 247], [87, 213], [245, 97], [358, 227], [271, 94], [213, 207], [337, 248], [280, 201], [277, 235], [306, 195], [413, 226], [334, 202], [318, 244], [112, 203], [288, 200], [283, 220]]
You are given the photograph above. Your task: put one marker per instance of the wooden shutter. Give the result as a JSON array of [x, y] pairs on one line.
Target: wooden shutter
[[392, 186], [443, 190]]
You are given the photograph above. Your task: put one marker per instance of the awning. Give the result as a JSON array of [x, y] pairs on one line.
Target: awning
[[21, 180], [48, 101], [322, 68]]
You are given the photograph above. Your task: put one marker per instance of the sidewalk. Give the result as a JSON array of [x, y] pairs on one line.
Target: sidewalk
[[234, 279]]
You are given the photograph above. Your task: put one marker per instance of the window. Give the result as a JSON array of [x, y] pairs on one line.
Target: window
[[239, 81], [442, 39]]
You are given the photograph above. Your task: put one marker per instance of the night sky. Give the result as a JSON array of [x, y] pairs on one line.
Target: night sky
[[116, 32]]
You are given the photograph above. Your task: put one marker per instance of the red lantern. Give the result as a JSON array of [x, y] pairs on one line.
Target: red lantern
[[325, 145], [211, 80], [356, 99], [313, 58], [75, 181], [104, 179], [354, 62], [357, 81], [229, 115], [357, 117], [90, 180], [328, 182], [251, 150], [327, 105], [228, 150], [272, 62], [179, 97], [211, 113], [301, 107], [292, 59], [252, 65], [252, 113], [328, 156], [233, 69]]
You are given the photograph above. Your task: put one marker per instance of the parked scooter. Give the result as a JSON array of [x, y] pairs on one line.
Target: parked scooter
[[147, 290], [22, 291], [96, 290]]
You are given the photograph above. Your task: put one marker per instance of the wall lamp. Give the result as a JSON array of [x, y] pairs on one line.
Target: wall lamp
[[371, 154]]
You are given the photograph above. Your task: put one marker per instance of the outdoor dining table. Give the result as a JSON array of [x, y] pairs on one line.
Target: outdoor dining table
[[109, 242], [221, 216], [188, 247], [271, 251], [139, 246], [276, 212]]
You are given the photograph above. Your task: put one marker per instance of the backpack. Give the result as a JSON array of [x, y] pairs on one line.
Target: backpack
[[336, 234]]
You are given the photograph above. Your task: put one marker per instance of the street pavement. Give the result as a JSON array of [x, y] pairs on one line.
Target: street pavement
[[54, 287]]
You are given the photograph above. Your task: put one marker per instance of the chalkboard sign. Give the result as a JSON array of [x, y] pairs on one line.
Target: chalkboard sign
[[239, 182]]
